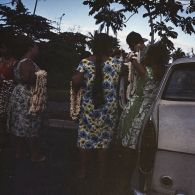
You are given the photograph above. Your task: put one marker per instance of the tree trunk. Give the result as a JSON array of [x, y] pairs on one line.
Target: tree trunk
[[151, 24], [107, 30]]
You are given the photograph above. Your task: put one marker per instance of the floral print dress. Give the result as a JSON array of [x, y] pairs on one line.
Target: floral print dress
[[96, 126], [20, 122], [136, 111]]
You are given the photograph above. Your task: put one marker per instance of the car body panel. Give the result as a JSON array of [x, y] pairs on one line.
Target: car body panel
[[177, 126], [173, 119], [174, 122], [179, 167]]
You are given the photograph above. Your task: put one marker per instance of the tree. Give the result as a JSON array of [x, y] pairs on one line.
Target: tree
[[90, 37], [109, 19], [178, 53], [59, 23], [60, 56], [159, 12], [18, 20]]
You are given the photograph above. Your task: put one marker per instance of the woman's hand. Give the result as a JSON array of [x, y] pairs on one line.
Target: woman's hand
[[134, 57], [77, 80], [140, 68]]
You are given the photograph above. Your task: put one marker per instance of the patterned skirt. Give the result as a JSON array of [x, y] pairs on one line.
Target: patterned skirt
[[20, 122], [5, 91], [135, 115]]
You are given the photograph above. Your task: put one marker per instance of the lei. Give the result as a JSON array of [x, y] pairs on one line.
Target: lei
[[75, 101], [39, 93]]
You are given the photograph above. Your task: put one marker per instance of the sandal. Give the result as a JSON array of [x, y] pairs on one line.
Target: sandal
[[42, 159]]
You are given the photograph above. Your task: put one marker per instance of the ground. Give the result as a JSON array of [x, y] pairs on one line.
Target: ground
[[58, 174]]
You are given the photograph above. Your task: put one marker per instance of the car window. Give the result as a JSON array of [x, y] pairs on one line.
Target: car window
[[181, 84]]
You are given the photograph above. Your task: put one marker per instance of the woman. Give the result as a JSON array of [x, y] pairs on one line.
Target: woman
[[7, 61], [148, 73], [22, 124], [98, 75]]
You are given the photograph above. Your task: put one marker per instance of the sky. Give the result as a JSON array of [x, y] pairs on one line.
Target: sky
[[76, 18]]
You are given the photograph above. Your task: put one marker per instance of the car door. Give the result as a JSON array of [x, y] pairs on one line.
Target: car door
[[174, 119]]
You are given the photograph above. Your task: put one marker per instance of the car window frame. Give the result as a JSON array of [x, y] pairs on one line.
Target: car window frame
[[188, 65]]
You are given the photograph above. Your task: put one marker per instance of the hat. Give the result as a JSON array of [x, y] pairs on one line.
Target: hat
[[134, 38]]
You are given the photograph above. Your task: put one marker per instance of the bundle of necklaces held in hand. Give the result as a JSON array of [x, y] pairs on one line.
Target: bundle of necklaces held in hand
[[124, 96], [39, 93], [75, 101]]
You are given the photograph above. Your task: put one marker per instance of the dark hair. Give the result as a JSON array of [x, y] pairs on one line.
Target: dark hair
[[85, 54], [134, 38], [101, 46], [158, 56], [158, 53]]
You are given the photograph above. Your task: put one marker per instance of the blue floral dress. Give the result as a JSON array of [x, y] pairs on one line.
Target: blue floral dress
[[96, 126], [20, 122]]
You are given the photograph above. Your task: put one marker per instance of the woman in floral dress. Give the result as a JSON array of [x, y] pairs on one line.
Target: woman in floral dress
[[7, 61], [98, 75], [24, 126], [148, 73]]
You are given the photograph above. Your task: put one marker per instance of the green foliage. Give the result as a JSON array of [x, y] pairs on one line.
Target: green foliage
[[60, 56], [115, 41], [59, 53], [159, 52], [19, 21], [165, 32], [159, 13], [109, 18], [178, 53]]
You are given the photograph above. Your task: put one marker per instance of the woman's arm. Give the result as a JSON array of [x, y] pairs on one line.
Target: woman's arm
[[139, 67], [77, 80]]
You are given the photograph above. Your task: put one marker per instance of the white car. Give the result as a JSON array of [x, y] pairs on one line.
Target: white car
[[166, 163]]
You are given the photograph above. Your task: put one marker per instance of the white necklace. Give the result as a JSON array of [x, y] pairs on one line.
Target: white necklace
[[75, 101]]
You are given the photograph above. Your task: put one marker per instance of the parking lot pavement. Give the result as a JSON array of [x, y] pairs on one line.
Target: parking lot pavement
[[57, 175], [63, 124]]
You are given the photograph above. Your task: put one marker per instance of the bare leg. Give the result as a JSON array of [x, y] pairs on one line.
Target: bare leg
[[36, 154], [4, 138], [102, 161], [84, 157], [20, 147]]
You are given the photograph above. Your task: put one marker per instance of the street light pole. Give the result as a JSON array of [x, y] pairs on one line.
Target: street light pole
[[60, 21], [35, 7]]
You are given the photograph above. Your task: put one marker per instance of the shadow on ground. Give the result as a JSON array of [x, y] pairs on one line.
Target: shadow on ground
[[57, 176]]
